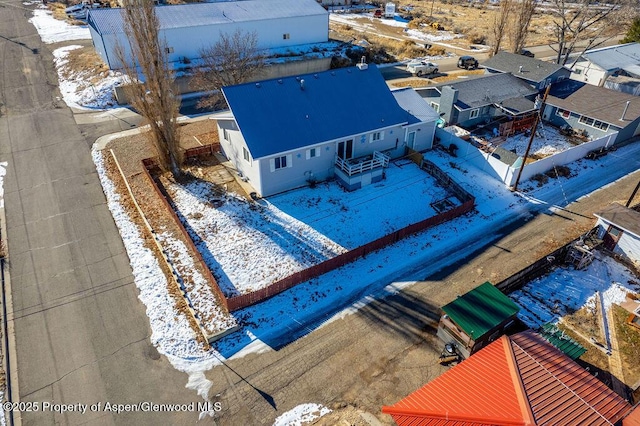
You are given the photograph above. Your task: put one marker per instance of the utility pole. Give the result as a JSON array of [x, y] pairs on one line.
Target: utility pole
[[533, 135], [633, 194]]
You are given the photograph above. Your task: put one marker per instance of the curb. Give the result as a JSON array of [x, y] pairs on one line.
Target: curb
[[12, 392]]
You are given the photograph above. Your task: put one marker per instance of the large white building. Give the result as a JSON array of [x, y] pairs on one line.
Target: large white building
[[187, 28]]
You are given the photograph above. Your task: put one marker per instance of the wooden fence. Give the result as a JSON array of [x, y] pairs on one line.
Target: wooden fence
[[248, 299]]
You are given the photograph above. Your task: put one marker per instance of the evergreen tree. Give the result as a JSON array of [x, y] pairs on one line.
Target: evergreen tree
[[633, 34]]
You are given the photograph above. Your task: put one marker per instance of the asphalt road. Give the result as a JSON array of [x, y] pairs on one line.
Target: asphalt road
[[81, 335]]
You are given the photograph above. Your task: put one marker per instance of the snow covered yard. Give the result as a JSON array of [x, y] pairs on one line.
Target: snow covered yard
[[250, 245], [566, 290], [547, 141]]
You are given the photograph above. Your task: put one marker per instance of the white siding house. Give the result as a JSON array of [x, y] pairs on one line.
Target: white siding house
[[596, 66], [187, 28], [291, 132], [620, 230]]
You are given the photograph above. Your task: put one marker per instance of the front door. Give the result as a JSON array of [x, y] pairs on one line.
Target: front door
[[411, 139], [611, 237], [345, 149]]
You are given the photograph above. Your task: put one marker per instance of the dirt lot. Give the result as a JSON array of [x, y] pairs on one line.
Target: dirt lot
[[472, 22]]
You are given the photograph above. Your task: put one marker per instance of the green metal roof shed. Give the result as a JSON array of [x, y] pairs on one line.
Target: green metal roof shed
[[481, 310], [552, 334]]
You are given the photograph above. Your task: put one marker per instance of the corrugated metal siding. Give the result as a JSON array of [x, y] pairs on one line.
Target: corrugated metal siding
[[201, 14], [465, 392], [480, 310], [559, 390]]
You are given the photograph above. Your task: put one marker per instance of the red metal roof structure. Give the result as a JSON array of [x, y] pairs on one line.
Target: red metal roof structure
[[633, 418], [516, 380]]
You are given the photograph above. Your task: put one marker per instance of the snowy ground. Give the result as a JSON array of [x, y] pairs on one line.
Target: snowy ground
[[52, 30], [249, 246], [301, 415], [548, 141], [3, 173], [565, 290], [364, 22], [77, 89]]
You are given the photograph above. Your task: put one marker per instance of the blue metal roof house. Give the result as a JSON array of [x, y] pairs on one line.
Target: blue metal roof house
[[187, 28], [291, 132]]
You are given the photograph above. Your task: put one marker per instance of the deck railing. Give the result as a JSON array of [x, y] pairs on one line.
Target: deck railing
[[353, 166]]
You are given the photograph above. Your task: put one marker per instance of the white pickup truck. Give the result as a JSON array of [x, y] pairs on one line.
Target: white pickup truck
[[419, 68]]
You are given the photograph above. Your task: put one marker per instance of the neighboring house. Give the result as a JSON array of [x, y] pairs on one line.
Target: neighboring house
[[537, 73], [633, 307], [594, 110], [476, 318], [187, 28], [620, 230], [480, 100], [290, 132], [516, 380], [596, 66]]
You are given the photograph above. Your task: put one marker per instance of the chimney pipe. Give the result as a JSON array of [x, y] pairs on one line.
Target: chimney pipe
[[302, 84], [520, 69], [626, 107]]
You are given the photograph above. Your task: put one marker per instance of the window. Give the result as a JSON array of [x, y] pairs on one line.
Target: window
[[563, 113], [474, 113], [601, 125], [286, 36], [245, 155], [578, 71], [377, 136], [168, 49], [614, 232], [313, 152], [586, 120], [280, 163], [435, 106]]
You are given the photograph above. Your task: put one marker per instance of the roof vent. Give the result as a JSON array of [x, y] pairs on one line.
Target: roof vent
[[315, 76], [626, 107], [362, 65], [301, 84], [258, 85], [280, 81], [520, 69], [333, 73]]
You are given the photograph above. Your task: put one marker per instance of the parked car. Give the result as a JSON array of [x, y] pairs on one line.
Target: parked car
[[377, 13], [80, 10], [467, 62], [527, 53], [419, 67]]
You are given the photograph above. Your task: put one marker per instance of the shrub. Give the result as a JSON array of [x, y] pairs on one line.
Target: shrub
[[477, 38]]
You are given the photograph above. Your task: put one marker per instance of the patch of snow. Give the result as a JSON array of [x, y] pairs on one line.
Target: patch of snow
[[3, 173], [171, 333], [53, 30], [78, 90], [548, 141], [438, 36], [301, 415], [565, 290]]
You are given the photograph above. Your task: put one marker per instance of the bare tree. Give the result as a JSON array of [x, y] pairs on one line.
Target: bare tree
[[151, 91], [233, 59], [583, 21], [523, 12], [500, 24]]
